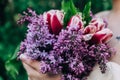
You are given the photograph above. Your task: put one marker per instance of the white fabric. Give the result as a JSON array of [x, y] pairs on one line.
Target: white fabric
[[112, 72]]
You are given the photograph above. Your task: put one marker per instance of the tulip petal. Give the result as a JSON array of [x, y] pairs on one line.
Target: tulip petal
[[99, 23], [54, 19], [55, 25], [47, 17], [88, 37], [76, 21], [90, 29], [102, 36]]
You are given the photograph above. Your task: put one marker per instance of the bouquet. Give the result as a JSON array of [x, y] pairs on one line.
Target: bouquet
[[65, 42]]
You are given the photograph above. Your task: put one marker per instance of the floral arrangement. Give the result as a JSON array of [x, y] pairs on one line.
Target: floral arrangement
[[64, 43]]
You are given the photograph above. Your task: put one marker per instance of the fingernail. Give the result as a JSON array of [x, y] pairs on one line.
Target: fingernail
[[23, 57]]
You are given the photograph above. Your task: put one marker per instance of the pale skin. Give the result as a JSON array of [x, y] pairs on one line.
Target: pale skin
[[113, 17]]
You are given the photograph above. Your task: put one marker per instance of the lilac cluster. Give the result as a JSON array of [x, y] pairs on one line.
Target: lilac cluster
[[72, 48], [78, 56], [67, 53], [38, 40]]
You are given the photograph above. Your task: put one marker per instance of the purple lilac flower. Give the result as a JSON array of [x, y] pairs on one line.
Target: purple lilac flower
[[38, 40], [68, 53]]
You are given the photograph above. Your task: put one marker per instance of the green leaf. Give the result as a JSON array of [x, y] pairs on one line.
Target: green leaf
[[15, 53], [86, 13], [69, 8], [12, 65], [15, 70], [1, 78], [11, 69], [69, 5]]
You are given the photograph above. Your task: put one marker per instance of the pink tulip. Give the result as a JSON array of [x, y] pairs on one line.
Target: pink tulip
[[94, 26], [88, 37], [102, 36], [76, 21], [96, 32], [90, 29], [54, 19], [98, 22]]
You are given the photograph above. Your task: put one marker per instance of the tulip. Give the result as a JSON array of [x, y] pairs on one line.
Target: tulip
[[95, 25], [99, 23], [102, 36], [87, 37], [54, 19], [76, 21], [90, 29]]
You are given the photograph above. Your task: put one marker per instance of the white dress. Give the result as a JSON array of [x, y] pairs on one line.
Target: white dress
[[112, 72]]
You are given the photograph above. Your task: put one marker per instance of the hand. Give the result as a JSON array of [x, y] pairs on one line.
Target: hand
[[32, 68]]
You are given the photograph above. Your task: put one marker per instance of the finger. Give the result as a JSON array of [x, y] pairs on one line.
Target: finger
[[33, 63], [33, 74]]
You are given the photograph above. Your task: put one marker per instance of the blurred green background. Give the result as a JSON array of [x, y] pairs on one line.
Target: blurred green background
[[11, 34]]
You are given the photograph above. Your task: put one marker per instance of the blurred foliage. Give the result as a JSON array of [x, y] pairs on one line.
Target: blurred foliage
[[12, 34], [86, 13]]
